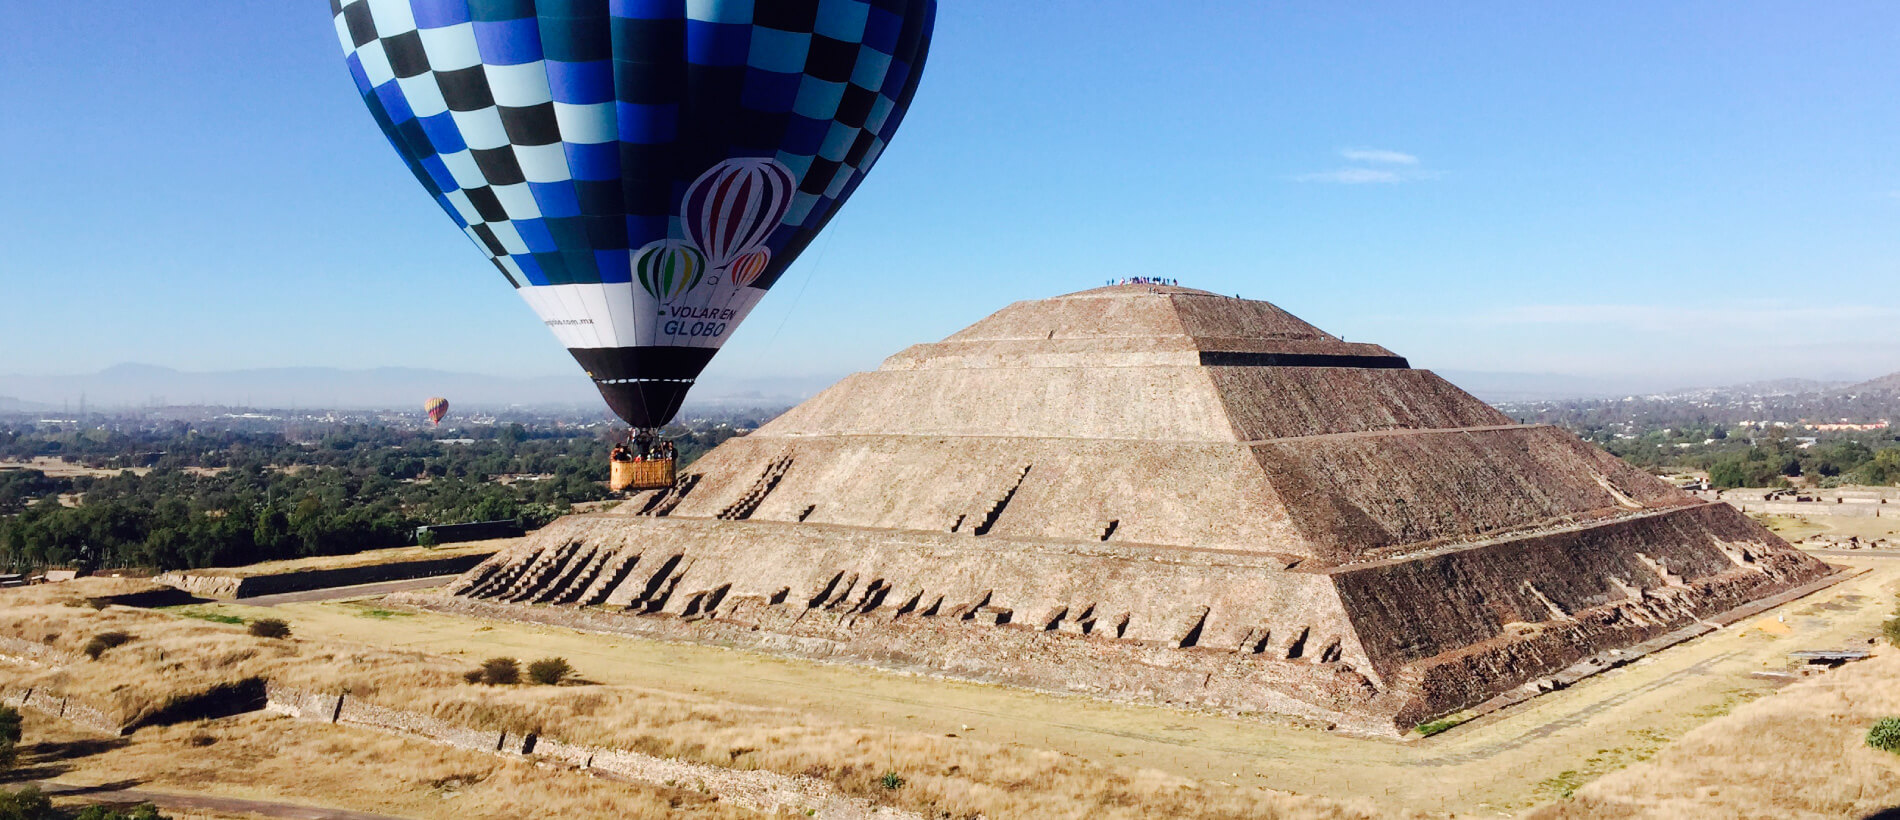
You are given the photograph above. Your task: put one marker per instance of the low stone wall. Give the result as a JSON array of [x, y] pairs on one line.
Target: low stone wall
[[203, 586], [769, 792], [12, 648], [53, 704], [227, 587], [1849, 509]]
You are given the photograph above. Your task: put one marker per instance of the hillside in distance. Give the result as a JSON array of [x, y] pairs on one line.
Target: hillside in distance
[[1790, 401]]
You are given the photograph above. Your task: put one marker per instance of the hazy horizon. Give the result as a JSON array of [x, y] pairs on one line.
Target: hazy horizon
[[1692, 195], [132, 385]]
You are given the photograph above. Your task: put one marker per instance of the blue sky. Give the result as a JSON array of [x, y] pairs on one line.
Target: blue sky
[[1665, 194]]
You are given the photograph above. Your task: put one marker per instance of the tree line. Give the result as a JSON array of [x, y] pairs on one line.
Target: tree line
[[220, 497]]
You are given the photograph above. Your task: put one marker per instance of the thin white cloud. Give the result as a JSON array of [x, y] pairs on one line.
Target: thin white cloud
[[1375, 166], [1353, 176], [1369, 176], [1378, 155]]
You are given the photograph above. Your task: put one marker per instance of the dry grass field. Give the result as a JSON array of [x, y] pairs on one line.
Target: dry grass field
[[54, 468], [1634, 742], [170, 657], [261, 757], [1797, 527], [1500, 764], [1799, 754]]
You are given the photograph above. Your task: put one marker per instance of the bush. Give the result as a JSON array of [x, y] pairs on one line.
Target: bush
[[1885, 735], [549, 671], [270, 628], [142, 811], [26, 804], [9, 725], [472, 676], [1892, 630], [501, 671], [104, 641], [891, 781], [9, 736]]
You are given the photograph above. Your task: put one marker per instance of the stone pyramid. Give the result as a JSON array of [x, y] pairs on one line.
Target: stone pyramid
[[1158, 493]]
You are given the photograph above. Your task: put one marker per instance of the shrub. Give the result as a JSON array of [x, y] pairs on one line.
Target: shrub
[[270, 628], [501, 671], [1885, 735], [549, 671], [104, 641], [9, 735], [26, 804], [142, 811], [891, 781], [472, 676], [9, 724], [1892, 630]]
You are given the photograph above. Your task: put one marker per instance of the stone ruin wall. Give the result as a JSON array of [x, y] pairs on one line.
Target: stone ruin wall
[[206, 585], [1183, 402], [1022, 488], [1337, 498], [1222, 630], [764, 791], [1366, 496], [1280, 403], [53, 704], [1460, 625], [760, 572], [1218, 630], [1110, 493]]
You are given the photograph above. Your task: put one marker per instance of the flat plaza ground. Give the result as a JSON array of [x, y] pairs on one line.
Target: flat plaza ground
[[1497, 765]]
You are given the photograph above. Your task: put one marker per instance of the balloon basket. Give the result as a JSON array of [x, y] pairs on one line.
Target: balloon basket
[[636, 476]]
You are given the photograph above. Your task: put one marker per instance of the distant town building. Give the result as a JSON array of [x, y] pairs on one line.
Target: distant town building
[[1845, 426]]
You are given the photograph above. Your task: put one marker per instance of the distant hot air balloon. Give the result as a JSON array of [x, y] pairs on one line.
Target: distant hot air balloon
[[642, 171], [436, 408]]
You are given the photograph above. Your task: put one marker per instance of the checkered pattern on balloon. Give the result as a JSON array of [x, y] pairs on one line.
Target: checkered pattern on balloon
[[641, 170]]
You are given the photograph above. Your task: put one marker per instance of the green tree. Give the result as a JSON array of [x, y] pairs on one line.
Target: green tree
[[26, 804]]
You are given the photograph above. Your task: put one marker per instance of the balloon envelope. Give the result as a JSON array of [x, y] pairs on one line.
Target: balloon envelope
[[436, 408], [642, 171]]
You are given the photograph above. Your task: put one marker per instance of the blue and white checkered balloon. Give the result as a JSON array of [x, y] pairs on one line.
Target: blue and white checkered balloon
[[642, 171]]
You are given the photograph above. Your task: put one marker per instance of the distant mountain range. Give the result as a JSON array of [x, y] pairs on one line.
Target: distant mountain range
[[140, 385]]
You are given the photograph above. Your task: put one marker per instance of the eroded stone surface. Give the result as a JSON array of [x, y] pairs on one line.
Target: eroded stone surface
[[1160, 494]]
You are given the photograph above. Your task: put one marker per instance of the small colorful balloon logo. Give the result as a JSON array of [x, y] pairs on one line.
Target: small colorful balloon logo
[[748, 268], [669, 268], [732, 210]]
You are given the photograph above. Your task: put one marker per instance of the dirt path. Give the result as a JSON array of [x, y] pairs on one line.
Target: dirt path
[[115, 794], [1502, 762]]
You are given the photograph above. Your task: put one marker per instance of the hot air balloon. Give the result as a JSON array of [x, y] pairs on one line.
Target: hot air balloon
[[641, 171], [436, 409]]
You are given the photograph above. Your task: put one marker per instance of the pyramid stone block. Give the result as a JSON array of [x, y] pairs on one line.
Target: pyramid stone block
[[1159, 494]]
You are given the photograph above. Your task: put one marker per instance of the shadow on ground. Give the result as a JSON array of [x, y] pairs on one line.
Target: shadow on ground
[[40, 761]]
